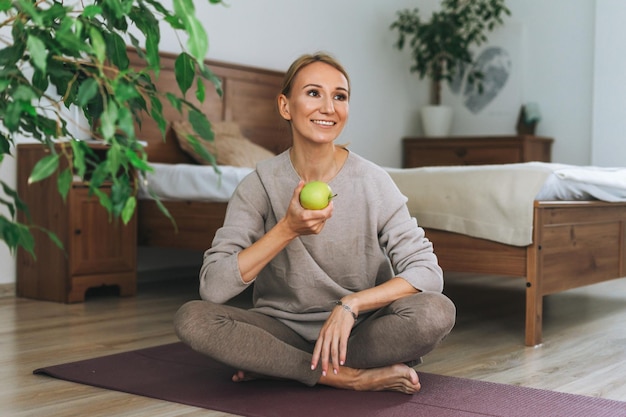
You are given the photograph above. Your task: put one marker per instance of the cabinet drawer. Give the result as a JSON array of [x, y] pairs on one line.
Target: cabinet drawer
[[462, 155], [478, 150]]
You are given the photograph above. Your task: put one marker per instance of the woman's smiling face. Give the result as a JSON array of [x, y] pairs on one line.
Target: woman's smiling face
[[318, 103]]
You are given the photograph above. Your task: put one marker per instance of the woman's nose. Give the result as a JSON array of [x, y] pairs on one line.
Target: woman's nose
[[328, 106]]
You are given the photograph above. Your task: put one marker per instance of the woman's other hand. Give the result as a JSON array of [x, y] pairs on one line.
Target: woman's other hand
[[331, 347]]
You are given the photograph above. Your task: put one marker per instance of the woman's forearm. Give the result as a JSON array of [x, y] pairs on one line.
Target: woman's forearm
[[379, 296], [254, 258]]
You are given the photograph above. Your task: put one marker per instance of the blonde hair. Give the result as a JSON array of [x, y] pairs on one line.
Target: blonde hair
[[309, 59]]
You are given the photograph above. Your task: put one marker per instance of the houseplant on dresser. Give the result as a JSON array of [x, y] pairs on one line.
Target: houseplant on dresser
[[441, 47]]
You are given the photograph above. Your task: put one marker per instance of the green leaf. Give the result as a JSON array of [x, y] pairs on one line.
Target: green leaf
[[184, 69], [108, 120], [69, 39], [87, 91], [201, 150], [115, 160], [29, 9], [164, 210], [137, 162], [126, 91], [19, 204], [40, 80], [116, 50], [129, 209], [78, 153], [5, 145], [214, 79], [156, 111], [38, 52], [104, 199], [45, 167], [201, 124], [174, 101], [54, 238], [5, 5], [64, 182], [125, 122], [16, 234], [24, 93], [92, 11], [200, 91], [197, 42], [98, 44]]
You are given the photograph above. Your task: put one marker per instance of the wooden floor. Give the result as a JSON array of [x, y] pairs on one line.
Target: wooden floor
[[584, 349]]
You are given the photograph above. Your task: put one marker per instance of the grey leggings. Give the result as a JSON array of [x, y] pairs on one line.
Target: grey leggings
[[404, 331]]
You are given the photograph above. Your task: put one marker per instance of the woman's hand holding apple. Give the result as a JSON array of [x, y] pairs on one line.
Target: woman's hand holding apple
[[306, 222]]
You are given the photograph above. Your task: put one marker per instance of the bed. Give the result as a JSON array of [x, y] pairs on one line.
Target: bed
[[554, 244], [569, 243]]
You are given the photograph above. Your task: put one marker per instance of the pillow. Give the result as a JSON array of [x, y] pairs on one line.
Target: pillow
[[229, 146]]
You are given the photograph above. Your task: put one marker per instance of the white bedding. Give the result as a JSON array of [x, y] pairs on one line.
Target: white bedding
[[488, 201], [191, 182]]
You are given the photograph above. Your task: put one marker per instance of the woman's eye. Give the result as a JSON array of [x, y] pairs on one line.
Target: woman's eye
[[313, 93], [341, 97]]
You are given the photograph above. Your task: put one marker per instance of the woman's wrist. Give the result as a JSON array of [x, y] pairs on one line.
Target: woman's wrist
[[347, 308]]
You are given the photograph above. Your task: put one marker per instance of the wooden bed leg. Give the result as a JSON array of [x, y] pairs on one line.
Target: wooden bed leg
[[534, 286], [534, 313]]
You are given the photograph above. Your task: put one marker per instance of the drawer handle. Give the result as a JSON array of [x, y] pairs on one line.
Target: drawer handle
[[78, 232], [461, 152]]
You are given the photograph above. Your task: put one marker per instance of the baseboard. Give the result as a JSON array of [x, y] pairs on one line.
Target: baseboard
[[157, 275], [7, 290]]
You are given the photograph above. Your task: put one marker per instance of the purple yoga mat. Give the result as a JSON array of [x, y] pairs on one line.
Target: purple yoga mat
[[175, 373]]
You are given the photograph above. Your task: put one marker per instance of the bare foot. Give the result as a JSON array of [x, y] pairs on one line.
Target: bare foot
[[241, 376], [397, 377]]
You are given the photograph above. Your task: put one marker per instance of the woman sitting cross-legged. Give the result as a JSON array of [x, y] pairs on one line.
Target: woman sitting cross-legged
[[348, 296]]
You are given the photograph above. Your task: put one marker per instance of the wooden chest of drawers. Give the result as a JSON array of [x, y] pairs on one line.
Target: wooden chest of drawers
[[475, 150], [96, 250]]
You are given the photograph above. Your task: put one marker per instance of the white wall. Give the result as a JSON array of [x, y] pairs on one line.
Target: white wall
[[609, 99], [558, 70], [7, 261]]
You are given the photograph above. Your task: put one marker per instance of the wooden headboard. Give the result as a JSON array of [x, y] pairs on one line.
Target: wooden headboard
[[249, 99]]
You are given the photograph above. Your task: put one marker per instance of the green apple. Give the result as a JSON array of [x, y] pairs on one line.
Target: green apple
[[315, 195]]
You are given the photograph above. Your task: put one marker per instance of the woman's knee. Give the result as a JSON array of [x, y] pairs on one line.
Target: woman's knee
[[188, 318], [433, 314], [444, 312]]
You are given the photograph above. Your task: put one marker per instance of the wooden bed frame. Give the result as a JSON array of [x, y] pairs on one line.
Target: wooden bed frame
[[574, 243]]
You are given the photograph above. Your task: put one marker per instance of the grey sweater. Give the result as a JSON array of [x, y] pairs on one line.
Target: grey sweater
[[370, 238]]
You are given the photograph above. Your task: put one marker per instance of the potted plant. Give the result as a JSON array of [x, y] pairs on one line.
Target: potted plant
[[57, 56], [441, 47]]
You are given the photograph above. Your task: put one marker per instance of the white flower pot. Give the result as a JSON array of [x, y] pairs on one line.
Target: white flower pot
[[436, 120]]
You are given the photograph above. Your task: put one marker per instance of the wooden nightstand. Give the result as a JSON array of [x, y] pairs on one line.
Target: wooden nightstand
[[98, 251], [475, 150]]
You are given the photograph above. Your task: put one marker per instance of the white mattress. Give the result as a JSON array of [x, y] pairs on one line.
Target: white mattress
[[564, 182], [487, 201], [495, 202], [191, 182], [568, 182]]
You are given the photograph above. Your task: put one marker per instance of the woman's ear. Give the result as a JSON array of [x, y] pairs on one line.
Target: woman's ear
[[283, 107]]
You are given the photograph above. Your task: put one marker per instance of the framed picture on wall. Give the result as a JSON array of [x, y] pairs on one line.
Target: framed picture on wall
[[496, 110]]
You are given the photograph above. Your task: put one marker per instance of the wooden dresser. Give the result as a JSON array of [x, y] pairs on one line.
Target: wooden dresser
[[97, 251], [475, 150]]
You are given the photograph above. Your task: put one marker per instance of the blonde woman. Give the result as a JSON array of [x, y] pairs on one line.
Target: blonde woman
[[349, 296]]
